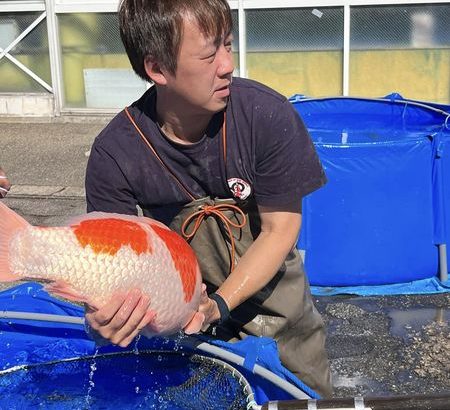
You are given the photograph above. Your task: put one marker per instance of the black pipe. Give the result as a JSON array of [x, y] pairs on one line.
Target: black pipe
[[422, 402]]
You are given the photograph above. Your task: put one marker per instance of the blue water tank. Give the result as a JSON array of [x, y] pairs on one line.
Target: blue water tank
[[375, 220], [445, 152]]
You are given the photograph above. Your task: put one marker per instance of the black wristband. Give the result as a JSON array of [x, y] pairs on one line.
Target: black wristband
[[223, 307]]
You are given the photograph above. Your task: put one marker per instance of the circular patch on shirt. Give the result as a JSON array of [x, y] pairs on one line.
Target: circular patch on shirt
[[239, 188]]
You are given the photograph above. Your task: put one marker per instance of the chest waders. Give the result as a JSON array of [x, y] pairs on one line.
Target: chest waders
[[220, 231]]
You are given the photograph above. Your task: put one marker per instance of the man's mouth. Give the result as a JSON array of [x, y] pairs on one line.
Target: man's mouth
[[223, 91]]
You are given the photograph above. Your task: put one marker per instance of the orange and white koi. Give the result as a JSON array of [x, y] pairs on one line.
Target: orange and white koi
[[98, 254]]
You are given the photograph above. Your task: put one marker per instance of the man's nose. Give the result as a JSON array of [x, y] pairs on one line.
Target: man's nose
[[226, 62]]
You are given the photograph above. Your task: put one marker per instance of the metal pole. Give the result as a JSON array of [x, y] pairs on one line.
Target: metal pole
[[54, 50], [429, 402], [41, 317], [346, 53], [443, 268], [242, 40]]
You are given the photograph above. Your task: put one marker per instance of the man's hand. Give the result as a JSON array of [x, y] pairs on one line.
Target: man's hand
[[4, 184], [207, 313], [121, 319]]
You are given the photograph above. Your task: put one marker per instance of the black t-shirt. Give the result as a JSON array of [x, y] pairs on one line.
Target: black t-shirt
[[269, 155]]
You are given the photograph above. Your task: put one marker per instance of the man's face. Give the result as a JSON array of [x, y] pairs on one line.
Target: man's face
[[204, 71]]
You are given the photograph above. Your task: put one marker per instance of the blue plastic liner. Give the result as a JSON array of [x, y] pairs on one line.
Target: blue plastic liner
[[24, 342], [418, 287], [382, 214], [399, 97]]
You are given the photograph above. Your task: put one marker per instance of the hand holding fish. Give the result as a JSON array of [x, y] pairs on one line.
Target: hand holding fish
[[201, 318], [126, 315], [209, 308], [123, 317]]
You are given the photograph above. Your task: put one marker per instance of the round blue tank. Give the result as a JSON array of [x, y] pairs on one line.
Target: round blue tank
[[378, 218]]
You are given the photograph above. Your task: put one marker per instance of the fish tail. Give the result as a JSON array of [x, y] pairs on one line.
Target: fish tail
[[10, 223]]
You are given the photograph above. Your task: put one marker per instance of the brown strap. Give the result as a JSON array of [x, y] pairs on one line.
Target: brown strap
[[216, 210], [224, 137], [141, 134], [157, 156]]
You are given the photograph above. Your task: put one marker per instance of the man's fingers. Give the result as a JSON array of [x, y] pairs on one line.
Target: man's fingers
[[147, 319], [101, 317], [204, 295], [196, 323], [131, 302], [113, 316], [116, 312], [133, 319]]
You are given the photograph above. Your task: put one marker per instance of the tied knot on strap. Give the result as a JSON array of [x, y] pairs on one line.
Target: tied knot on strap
[[218, 212]]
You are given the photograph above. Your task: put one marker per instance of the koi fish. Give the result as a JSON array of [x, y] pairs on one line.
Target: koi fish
[[98, 254]]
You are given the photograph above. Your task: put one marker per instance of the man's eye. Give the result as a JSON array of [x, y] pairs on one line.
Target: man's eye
[[210, 57]]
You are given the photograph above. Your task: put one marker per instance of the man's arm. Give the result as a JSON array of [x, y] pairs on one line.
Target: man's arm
[[120, 320], [279, 232]]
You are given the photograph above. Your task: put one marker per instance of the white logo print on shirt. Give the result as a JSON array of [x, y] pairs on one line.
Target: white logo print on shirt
[[239, 188]]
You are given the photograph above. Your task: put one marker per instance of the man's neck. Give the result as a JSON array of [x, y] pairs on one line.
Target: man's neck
[[182, 131], [178, 124]]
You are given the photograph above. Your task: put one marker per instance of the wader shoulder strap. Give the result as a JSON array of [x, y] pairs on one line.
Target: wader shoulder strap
[[147, 142], [163, 164]]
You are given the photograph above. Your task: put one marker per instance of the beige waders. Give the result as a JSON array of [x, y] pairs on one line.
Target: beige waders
[[282, 310]]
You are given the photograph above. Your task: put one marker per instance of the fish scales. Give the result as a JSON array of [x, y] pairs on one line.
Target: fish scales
[[99, 254]]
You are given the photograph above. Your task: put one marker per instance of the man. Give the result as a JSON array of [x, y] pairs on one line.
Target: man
[[223, 161], [4, 184]]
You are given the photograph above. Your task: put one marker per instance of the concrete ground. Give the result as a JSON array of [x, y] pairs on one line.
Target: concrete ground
[[378, 346], [47, 159]]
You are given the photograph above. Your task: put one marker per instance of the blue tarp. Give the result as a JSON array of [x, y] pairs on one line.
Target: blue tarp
[[24, 342], [399, 97], [385, 208], [417, 287]]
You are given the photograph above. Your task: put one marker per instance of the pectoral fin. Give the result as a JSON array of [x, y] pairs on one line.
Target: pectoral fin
[[66, 291]]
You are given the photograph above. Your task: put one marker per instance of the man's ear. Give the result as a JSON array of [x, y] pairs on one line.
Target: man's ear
[[154, 71]]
